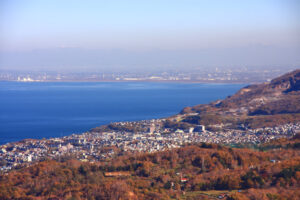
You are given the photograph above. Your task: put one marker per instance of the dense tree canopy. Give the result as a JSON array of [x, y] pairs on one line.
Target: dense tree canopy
[[175, 174]]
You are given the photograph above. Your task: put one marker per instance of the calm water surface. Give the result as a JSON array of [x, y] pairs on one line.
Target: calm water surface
[[50, 109]]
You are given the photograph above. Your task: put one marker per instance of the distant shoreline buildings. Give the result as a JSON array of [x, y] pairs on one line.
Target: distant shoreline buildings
[[197, 76]]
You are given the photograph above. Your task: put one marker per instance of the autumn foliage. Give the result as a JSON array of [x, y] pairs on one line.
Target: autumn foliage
[[174, 174]]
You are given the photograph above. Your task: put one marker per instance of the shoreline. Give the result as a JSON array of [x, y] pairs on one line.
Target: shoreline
[[135, 81], [124, 120]]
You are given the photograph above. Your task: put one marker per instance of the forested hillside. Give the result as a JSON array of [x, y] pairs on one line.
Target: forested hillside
[[204, 171]]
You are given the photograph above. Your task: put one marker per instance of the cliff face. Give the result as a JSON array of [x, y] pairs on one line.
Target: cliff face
[[280, 96], [291, 81]]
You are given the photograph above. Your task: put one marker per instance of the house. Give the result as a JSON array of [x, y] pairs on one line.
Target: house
[[191, 129], [183, 180], [179, 131], [199, 128]]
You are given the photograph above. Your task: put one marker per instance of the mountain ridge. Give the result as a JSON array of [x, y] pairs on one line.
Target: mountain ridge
[[279, 98]]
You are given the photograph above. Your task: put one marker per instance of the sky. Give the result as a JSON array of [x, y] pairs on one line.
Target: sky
[[127, 34]]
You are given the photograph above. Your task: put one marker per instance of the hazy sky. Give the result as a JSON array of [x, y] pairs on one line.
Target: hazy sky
[[76, 34]]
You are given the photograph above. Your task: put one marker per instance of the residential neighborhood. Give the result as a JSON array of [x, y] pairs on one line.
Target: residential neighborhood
[[95, 146]]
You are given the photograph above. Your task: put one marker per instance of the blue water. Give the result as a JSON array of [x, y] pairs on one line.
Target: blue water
[[43, 110]]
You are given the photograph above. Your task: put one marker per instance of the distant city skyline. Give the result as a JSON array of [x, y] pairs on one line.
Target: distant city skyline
[[119, 35]]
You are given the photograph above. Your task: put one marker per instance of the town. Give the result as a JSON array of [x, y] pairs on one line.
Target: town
[[96, 145], [202, 75]]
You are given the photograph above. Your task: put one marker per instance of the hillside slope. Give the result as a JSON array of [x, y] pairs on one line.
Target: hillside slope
[[256, 105], [201, 171]]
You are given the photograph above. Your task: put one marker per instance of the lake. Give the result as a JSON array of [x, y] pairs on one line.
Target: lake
[[54, 109]]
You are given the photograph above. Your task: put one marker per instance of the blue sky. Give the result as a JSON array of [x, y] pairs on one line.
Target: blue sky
[[152, 25]]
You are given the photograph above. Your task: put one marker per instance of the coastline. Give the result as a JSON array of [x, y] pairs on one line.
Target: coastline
[[98, 104], [137, 81], [160, 134]]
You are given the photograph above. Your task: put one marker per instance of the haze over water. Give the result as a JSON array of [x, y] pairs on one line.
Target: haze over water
[[48, 109]]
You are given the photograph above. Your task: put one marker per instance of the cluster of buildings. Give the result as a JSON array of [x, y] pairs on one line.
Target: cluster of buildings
[[96, 146], [241, 75]]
